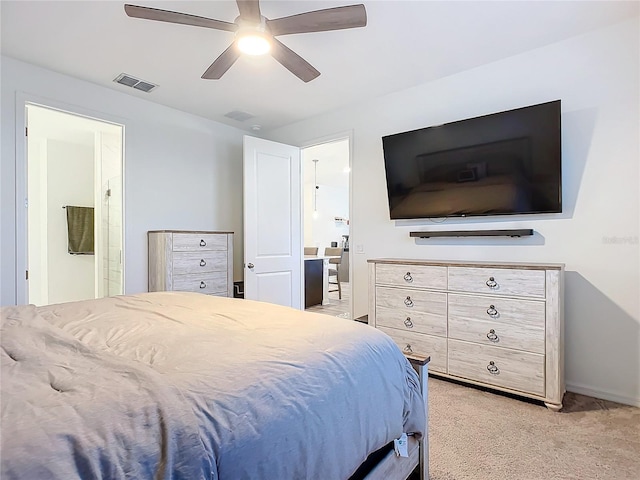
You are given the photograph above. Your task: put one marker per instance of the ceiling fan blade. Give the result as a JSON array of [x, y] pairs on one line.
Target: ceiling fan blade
[[249, 10], [337, 18], [149, 13], [222, 63], [293, 62]]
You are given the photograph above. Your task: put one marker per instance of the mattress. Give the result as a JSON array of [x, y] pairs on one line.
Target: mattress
[[183, 385]]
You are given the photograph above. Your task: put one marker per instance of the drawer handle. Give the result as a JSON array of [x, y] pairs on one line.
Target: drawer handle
[[491, 311], [408, 323], [408, 349], [491, 283], [203, 243], [408, 278], [492, 336], [202, 263], [493, 369], [408, 302], [203, 285]]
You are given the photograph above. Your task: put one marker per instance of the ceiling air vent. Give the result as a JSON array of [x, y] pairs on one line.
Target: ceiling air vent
[[129, 81], [239, 116]]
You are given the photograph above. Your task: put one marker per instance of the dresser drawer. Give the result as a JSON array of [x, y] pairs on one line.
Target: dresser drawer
[[419, 276], [213, 282], [504, 322], [199, 262], [435, 347], [500, 281], [192, 242], [412, 310], [502, 367]]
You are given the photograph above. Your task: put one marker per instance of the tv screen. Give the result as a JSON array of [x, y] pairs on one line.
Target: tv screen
[[504, 163]]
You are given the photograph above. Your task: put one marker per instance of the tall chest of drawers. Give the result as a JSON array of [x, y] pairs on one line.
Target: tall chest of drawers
[[498, 325], [191, 261]]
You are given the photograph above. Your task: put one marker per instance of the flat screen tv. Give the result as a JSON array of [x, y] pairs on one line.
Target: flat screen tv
[[506, 163]]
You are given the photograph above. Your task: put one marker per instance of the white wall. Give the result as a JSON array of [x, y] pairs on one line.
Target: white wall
[[181, 171], [70, 181], [332, 202], [596, 236]]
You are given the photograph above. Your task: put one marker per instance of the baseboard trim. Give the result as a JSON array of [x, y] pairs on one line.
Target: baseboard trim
[[582, 390]]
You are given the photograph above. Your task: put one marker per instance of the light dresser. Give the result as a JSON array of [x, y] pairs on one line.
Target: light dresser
[[497, 325], [191, 261]]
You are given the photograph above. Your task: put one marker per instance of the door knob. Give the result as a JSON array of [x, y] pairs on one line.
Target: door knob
[[250, 265]]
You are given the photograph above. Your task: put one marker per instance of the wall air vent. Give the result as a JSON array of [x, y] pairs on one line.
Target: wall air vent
[[129, 81], [239, 116]]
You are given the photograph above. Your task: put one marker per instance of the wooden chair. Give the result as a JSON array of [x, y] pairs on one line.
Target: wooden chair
[[311, 250], [333, 272]]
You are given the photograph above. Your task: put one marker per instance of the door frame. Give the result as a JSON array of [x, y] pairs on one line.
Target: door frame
[[335, 137], [22, 100]]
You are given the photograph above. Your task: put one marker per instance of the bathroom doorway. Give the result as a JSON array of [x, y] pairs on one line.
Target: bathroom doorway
[[74, 206], [327, 174]]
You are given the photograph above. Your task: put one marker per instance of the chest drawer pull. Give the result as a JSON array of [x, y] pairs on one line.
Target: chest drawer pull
[[203, 243], [408, 302], [202, 262], [492, 336], [408, 323], [408, 348], [408, 278], [491, 283], [493, 369], [491, 311], [203, 285]]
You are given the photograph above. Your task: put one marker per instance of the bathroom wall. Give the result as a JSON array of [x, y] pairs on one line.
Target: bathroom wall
[[70, 177]]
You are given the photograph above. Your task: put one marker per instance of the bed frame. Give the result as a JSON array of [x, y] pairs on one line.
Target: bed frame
[[392, 467]]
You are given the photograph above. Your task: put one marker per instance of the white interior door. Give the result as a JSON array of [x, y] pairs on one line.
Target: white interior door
[[272, 223]]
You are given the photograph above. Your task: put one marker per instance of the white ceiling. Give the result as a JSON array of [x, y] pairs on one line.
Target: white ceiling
[[405, 43]]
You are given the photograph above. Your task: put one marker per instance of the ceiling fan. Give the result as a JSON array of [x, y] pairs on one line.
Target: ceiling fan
[[255, 34]]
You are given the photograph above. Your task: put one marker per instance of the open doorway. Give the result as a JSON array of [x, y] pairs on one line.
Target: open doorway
[[74, 207], [326, 196]]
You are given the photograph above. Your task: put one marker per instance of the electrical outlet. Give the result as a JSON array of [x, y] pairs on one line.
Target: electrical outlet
[[360, 248]]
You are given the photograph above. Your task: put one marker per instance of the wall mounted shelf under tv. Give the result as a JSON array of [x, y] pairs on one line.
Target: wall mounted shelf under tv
[[522, 232]]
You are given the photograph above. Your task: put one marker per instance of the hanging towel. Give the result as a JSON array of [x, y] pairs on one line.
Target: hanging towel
[[80, 230]]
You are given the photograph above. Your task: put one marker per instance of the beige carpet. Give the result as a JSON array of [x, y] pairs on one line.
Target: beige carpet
[[487, 436]]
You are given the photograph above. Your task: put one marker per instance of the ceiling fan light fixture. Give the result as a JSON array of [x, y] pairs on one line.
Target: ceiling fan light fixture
[[256, 34], [253, 42]]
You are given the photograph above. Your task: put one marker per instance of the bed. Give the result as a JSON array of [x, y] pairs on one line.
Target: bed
[[178, 386]]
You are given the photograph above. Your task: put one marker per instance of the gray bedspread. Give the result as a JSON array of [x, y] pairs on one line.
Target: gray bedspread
[[189, 386]]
